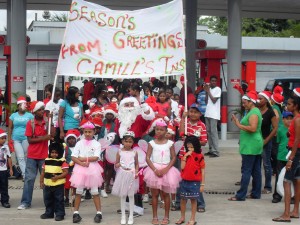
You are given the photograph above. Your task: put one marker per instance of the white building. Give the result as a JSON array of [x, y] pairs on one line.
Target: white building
[[275, 57]]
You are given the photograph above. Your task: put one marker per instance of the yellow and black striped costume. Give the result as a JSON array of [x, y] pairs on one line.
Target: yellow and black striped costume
[[53, 167]]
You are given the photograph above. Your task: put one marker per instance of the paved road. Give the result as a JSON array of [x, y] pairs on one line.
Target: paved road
[[221, 174]]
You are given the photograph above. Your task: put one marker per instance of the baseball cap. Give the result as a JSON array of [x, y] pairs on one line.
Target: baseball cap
[[286, 114], [195, 106]]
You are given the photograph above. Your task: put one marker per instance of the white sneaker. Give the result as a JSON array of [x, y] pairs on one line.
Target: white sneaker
[[22, 206], [146, 198], [123, 220], [130, 221], [103, 194]]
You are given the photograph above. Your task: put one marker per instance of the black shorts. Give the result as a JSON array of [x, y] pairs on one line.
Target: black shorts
[[294, 172]]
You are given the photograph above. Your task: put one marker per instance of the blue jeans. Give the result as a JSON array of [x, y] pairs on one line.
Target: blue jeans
[[21, 148], [251, 166], [32, 167], [266, 155]]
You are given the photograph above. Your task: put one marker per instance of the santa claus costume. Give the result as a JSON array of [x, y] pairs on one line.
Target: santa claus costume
[[134, 118]]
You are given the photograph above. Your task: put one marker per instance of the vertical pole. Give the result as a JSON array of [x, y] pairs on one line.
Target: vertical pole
[[18, 46], [234, 56], [190, 40]]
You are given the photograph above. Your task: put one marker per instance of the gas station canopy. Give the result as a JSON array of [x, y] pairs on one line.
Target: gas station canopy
[[280, 9]]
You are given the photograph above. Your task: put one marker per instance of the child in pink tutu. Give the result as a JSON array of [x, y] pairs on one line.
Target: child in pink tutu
[[87, 171], [126, 182], [160, 175]]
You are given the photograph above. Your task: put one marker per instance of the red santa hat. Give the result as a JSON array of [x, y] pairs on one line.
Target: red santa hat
[[297, 91], [111, 108], [21, 100], [265, 94], [277, 98], [2, 133], [72, 133], [36, 105], [110, 89], [251, 96], [97, 121], [171, 129], [153, 124], [278, 89]]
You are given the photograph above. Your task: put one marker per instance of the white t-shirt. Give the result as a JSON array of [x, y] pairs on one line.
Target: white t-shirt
[[4, 153], [54, 108], [161, 152], [175, 109], [213, 109], [87, 148]]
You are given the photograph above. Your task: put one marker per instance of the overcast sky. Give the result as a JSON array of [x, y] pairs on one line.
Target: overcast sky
[[30, 17]]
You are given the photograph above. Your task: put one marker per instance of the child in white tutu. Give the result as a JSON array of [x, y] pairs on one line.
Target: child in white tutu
[[161, 175], [87, 171], [126, 182]]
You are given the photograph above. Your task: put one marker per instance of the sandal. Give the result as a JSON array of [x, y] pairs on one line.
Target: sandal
[[191, 222], [155, 221], [180, 221], [266, 191], [174, 207], [165, 221], [201, 210], [234, 199], [280, 219]]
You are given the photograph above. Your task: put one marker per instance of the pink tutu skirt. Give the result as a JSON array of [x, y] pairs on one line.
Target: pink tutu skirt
[[125, 183], [87, 177], [168, 183]]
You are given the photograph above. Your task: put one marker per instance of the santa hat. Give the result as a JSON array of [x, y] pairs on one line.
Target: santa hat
[[21, 100], [110, 89], [251, 96], [182, 79], [265, 94], [36, 105], [72, 133], [171, 129], [2, 133], [97, 121], [278, 89], [277, 98], [129, 99], [82, 122], [153, 124], [88, 125], [91, 102], [111, 108], [297, 91]]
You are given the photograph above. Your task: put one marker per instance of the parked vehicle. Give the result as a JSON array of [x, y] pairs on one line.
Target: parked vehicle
[[288, 84]]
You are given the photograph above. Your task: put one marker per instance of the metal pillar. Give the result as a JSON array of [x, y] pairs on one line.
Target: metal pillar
[[191, 36], [18, 46], [234, 56]]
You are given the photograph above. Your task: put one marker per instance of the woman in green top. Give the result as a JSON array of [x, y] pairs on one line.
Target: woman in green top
[[251, 146]]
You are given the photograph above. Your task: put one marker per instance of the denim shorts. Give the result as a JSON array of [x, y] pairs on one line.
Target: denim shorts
[[189, 189], [294, 172]]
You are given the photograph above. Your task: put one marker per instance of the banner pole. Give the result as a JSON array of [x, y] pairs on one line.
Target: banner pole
[[52, 98], [184, 73]]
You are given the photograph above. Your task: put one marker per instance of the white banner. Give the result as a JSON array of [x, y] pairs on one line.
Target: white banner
[[104, 43]]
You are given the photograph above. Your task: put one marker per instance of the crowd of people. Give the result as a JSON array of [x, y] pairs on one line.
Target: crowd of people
[[123, 113]]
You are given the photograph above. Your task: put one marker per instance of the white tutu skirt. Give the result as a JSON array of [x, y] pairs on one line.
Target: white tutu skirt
[[125, 183], [87, 177], [168, 183]]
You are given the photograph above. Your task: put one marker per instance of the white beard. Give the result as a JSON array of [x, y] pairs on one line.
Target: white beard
[[126, 117]]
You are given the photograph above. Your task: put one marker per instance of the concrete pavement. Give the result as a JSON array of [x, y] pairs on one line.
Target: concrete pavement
[[221, 174]]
